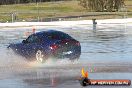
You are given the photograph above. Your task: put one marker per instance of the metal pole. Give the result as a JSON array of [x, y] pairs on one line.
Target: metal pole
[[94, 24], [38, 10], [12, 17]]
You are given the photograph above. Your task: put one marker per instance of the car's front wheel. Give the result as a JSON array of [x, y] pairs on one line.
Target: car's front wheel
[[40, 56]]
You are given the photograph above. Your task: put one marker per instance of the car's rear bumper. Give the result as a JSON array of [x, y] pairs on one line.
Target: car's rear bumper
[[71, 54]]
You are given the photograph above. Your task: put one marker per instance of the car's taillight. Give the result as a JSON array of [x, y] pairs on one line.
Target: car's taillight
[[77, 43], [64, 41], [54, 46]]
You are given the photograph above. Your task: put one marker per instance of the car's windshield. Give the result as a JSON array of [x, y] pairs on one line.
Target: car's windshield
[[58, 35]]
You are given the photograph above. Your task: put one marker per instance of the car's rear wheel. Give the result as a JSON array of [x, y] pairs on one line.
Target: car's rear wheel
[[40, 56], [74, 58]]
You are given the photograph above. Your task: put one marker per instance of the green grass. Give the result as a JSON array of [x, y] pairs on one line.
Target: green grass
[[50, 9], [48, 6], [47, 9]]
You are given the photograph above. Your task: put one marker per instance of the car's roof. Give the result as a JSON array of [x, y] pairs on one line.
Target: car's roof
[[49, 31], [51, 34]]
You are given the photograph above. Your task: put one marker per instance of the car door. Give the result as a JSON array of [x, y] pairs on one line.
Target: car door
[[31, 45]]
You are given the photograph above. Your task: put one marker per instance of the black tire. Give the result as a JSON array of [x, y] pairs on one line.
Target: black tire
[[73, 59]]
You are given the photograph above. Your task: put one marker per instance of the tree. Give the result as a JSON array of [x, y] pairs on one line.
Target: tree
[[102, 5]]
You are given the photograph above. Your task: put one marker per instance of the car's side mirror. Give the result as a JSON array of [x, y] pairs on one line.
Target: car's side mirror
[[24, 41]]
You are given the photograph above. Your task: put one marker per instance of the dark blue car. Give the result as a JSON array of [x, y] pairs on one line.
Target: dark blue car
[[42, 45]]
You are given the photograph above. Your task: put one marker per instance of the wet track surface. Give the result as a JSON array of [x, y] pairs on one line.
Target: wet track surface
[[106, 54]]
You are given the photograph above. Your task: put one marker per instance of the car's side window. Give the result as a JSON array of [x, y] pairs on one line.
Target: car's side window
[[33, 39]]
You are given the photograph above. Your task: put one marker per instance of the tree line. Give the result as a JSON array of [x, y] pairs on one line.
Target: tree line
[[102, 5], [6, 2], [94, 5]]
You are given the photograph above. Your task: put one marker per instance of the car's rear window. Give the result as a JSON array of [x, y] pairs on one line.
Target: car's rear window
[[58, 35]]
